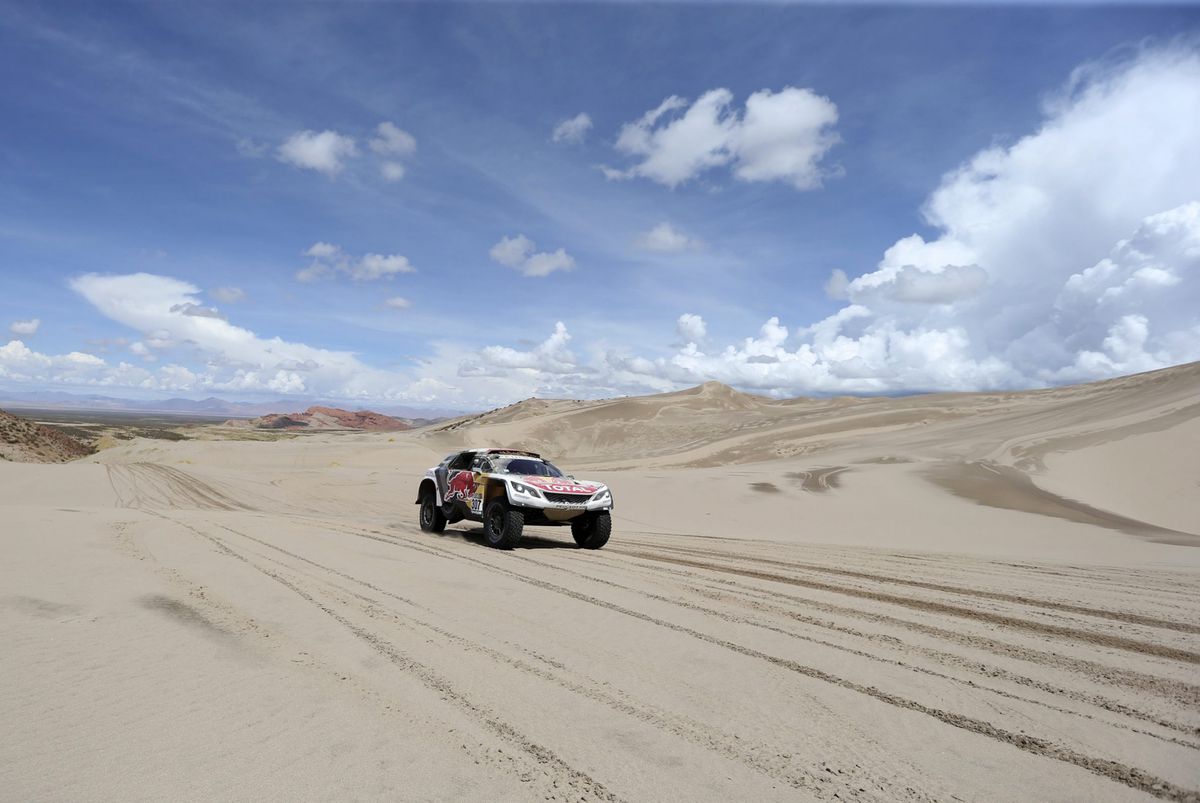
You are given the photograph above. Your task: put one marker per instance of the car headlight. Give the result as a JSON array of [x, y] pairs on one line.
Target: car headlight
[[601, 495], [525, 490]]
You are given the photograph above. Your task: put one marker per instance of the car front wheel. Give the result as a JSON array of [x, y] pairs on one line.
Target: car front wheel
[[432, 518], [592, 532], [502, 525]]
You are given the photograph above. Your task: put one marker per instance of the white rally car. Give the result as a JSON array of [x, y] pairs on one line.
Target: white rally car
[[506, 489]]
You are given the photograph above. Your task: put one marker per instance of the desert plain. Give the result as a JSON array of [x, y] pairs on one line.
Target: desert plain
[[991, 596]]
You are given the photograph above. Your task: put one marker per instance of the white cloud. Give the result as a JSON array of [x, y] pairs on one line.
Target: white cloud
[[783, 136], [550, 356], [836, 285], [228, 295], [394, 144], [397, 303], [20, 364], [328, 260], [197, 310], [512, 251], [1045, 268], [28, 327], [778, 137], [234, 359], [691, 328], [520, 253], [573, 130], [142, 350], [251, 149], [1070, 254], [665, 238], [378, 266], [941, 285], [324, 152], [392, 140], [392, 171]]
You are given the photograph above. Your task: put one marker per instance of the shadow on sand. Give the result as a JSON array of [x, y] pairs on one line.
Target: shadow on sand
[[474, 535]]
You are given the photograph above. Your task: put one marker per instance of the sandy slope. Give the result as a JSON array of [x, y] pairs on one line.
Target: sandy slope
[[989, 596]]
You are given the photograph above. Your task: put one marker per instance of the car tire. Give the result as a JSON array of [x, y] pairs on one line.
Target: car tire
[[502, 526], [432, 518], [592, 532]]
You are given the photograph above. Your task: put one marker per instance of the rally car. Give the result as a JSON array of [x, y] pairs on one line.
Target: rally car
[[506, 489]]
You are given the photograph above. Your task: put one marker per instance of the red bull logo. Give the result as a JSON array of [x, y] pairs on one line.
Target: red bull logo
[[460, 485]]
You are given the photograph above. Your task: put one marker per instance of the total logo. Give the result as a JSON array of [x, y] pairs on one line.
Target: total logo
[[541, 483]]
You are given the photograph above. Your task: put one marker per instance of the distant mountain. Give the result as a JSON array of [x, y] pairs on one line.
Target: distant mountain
[[324, 418], [25, 441], [219, 408]]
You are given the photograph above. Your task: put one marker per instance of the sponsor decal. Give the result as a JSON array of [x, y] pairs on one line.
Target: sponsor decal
[[559, 485], [460, 485]]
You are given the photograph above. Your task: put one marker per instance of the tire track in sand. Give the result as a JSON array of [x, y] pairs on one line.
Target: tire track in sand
[[581, 783], [755, 756], [743, 596], [1103, 613], [1041, 628], [1116, 771]]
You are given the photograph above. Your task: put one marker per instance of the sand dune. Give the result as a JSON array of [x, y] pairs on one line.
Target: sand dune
[[973, 596]]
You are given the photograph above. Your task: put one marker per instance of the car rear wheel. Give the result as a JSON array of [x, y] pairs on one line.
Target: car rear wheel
[[592, 532], [502, 526], [432, 518]]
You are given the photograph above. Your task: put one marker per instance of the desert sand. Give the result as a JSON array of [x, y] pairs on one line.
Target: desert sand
[[939, 597]]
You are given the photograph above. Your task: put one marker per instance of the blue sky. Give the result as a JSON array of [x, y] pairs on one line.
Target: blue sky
[[167, 172]]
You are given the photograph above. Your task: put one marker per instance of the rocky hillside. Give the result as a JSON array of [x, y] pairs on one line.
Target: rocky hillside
[[323, 418], [25, 441]]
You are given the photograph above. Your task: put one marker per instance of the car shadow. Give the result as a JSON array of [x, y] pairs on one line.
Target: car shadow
[[474, 535]]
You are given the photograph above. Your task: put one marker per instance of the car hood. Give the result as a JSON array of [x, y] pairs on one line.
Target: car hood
[[560, 485]]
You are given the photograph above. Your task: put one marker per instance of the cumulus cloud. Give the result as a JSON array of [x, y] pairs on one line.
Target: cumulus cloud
[[1043, 269], [521, 254], [19, 363], [1070, 254], [779, 136], [328, 151], [392, 140], [228, 295], [324, 152], [142, 350], [234, 359], [691, 328], [665, 238], [328, 260], [942, 284], [549, 356], [836, 285], [26, 328], [573, 130]]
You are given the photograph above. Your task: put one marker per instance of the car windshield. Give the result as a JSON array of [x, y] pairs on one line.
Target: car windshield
[[523, 465]]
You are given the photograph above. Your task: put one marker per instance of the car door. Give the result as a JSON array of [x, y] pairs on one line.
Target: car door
[[460, 482], [481, 467]]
